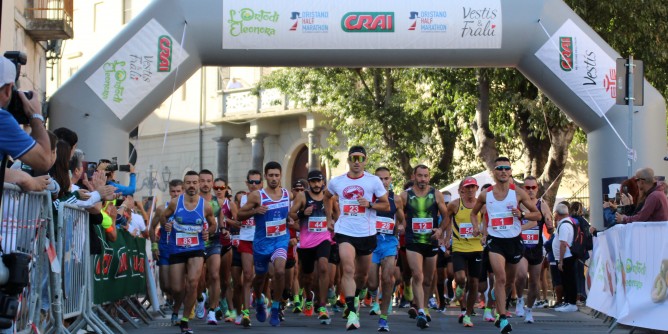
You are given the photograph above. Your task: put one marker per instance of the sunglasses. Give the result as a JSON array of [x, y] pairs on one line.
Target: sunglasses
[[356, 158], [254, 181], [502, 168], [530, 187], [219, 188]]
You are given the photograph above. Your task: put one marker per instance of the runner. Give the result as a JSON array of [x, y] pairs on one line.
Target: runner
[[355, 232], [502, 230], [269, 207], [236, 313], [389, 224], [161, 247], [192, 224], [227, 220], [315, 242], [466, 249], [532, 258], [423, 204]]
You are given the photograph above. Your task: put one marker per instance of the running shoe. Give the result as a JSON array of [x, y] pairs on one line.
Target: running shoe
[[357, 305], [175, 320], [184, 328], [245, 318], [274, 319], [281, 314], [519, 309], [237, 320], [497, 322], [412, 313], [323, 316], [211, 318], [528, 317], [459, 292], [432, 303], [467, 321], [422, 321], [261, 310], [231, 317], [567, 308], [375, 309], [404, 303], [353, 321], [460, 319], [308, 309], [383, 326], [488, 316], [297, 308], [427, 315], [505, 326], [200, 311], [331, 297]]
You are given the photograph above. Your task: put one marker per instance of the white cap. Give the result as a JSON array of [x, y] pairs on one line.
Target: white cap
[[7, 71]]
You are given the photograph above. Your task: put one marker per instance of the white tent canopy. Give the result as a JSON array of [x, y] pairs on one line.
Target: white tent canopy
[[482, 178]]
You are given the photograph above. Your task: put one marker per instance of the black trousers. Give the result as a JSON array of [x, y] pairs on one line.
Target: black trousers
[[569, 281]]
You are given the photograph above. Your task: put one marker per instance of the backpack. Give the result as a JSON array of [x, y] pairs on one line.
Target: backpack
[[588, 238], [578, 247]]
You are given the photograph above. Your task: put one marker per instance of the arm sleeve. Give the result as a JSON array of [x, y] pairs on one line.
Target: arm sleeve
[[13, 140], [647, 209], [126, 190]]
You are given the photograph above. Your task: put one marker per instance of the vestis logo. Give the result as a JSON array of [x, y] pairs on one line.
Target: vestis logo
[[353, 192], [566, 53], [165, 53], [368, 22]]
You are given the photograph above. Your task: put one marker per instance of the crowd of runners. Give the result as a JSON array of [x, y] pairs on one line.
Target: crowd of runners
[[324, 248]]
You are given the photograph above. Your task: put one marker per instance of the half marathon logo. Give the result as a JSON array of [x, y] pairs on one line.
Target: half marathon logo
[[428, 21], [248, 21], [309, 22], [368, 22]]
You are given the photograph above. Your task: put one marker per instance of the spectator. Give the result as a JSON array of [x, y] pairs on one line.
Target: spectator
[[563, 239], [137, 225], [653, 205], [576, 212], [111, 178], [53, 186], [555, 274], [68, 136], [234, 84]]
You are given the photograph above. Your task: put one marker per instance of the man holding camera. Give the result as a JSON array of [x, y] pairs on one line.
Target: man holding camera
[[110, 168]]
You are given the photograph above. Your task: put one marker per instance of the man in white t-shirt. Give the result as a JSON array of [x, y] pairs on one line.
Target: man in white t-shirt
[[137, 226], [563, 239], [360, 195]]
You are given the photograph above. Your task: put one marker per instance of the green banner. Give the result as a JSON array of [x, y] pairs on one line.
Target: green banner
[[120, 270]]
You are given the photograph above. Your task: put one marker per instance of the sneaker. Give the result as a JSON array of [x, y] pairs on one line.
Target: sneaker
[[383, 326], [308, 309], [459, 292], [200, 311], [567, 308], [519, 309], [237, 320], [281, 314], [467, 321], [261, 310], [404, 304], [412, 313], [557, 305], [245, 318], [497, 322], [546, 303], [175, 320], [538, 304], [505, 326], [357, 305], [274, 319], [432, 303], [443, 309], [336, 309], [487, 315], [184, 328], [211, 318], [331, 297], [297, 308], [232, 317], [427, 315], [460, 319], [353, 321], [375, 309], [323, 316], [220, 315], [528, 317], [422, 321]]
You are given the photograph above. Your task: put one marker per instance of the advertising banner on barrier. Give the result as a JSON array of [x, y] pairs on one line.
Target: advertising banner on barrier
[[121, 270], [628, 274]]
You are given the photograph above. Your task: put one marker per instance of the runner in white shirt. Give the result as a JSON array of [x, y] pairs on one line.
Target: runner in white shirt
[[360, 195]]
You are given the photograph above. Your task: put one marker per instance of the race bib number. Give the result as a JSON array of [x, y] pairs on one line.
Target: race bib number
[[235, 240], [352, 208], [466, 230], [385, 225], [530, 237], [248, 223], [423, 225], [501, 221], [317, 224], [276, 228], [187, 240]]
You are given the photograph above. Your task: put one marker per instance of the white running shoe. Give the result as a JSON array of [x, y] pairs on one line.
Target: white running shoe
[[567, 308], [200, 311], [211, 318], [519, 309], [528, 317]]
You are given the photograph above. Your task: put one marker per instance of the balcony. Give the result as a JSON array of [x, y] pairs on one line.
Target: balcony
[[49, 19], [243, 103]]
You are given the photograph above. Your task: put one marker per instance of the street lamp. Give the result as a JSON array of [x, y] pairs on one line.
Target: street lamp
[[151, 181]]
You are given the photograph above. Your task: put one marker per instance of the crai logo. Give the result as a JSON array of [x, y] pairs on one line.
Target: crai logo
[[164, 53], [249, 21], [368, 22], [566, 53]]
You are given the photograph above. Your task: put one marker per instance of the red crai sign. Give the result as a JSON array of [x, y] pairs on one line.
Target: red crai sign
[[368, 22], [164, 53], [566, 53]]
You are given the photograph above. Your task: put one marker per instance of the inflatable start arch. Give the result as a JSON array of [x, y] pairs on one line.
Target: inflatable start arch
[[544, 39]]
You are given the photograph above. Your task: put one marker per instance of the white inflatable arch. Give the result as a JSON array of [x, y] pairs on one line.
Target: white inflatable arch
[[543, 39]]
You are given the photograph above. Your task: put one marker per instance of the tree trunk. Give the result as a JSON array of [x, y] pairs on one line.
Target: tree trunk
[[448, 139], [560, 139], [484, 138], [537, 148]]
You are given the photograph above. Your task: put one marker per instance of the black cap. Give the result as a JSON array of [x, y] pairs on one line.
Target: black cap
[[315, 175], [357, 149], [298, 183]]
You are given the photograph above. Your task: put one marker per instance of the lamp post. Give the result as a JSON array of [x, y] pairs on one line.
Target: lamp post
[[151, 181]]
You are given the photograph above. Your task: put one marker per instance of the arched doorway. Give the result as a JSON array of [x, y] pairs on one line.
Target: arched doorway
[[300, 166]]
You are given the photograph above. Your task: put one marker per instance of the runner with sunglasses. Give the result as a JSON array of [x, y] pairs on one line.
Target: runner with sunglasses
[[227, 221], [502, 231], [532, 258], [360, 195]]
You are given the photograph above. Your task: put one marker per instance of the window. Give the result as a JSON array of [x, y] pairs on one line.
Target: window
[[97, 11], [127, 11], [183, 92]]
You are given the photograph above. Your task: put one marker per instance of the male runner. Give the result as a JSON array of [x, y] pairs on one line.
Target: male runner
[[423, 203], [389, 224], [270, 207], [355, 229], [308, 209], [532, 258], [466, 248], [502, 230], [161, 248], [192, 215]]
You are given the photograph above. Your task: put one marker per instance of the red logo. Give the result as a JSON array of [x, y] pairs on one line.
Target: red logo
[[353, 192], [610, 83], [164, 53], [566, 53], [368, 22]]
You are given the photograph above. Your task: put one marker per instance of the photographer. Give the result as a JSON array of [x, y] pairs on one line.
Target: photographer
[[110, 169]]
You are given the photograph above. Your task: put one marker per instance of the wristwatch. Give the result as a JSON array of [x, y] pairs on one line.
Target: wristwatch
[[370, 205], [37, 116]]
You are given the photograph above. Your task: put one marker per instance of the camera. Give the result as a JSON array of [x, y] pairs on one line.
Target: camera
[[14, 277], [15, 106], [114, 166]]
